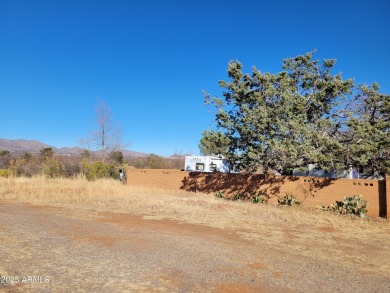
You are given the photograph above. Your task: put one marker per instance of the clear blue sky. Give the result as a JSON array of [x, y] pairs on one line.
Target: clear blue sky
[[150, 60]]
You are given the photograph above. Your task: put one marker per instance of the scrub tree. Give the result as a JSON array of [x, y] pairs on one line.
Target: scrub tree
[[107, 137]]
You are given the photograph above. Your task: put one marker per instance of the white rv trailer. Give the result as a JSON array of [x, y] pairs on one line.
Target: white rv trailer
[[207, 164]]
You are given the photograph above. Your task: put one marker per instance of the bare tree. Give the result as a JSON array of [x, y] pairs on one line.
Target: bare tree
[[107, 138]]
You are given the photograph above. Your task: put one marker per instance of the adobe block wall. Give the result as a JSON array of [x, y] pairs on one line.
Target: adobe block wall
[[157, 178], [312, 191]]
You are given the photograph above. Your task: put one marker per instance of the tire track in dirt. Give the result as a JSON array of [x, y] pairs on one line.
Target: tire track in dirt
[[81, 250]]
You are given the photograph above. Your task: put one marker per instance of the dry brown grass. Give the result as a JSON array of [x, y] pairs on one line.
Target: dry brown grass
[[111, 195], [305, 232]]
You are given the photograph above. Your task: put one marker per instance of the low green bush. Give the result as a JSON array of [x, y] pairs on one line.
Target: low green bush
[[352, 205], [4, 173], [259, 198], [219, 194], [97, 169], [236, 197], [289, 200]]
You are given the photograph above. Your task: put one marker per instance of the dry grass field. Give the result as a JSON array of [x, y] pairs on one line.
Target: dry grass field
[[351, 244]]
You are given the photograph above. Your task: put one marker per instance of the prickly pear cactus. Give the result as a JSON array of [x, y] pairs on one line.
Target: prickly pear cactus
[[354, 205]]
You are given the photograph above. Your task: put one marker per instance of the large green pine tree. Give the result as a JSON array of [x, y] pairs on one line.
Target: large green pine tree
[[299, 116]]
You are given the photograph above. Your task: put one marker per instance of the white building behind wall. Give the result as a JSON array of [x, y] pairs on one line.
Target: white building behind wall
[[312, 171], [207, 164]]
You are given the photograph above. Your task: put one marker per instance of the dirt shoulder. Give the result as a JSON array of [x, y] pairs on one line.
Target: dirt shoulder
[[83, 250]]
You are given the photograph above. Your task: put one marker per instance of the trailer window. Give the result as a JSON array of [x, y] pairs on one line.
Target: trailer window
[[213, 167], [199, 167]]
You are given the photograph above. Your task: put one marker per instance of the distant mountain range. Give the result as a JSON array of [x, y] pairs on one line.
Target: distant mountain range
[[34, 146]]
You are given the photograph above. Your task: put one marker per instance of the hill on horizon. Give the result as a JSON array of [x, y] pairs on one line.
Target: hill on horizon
[[34, 146]]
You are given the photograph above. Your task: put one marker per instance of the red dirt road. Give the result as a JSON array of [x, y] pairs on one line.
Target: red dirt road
[[64, 250]]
